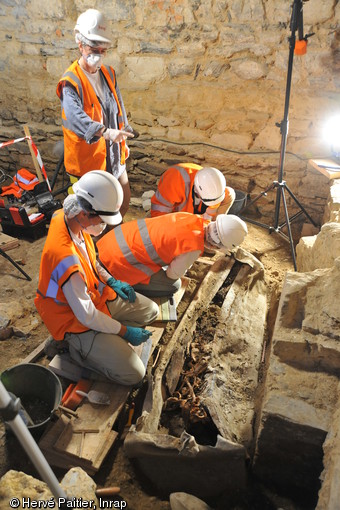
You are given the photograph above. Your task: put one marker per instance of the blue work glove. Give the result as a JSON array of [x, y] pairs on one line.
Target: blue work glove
[[124, 290], [136, 336]]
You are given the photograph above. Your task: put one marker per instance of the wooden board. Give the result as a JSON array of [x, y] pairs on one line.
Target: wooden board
[[64, 445], [38, 351], [8, 242], [328, 167]]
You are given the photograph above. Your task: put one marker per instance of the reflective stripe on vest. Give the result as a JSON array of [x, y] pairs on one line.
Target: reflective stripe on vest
[[160, 208], [128, 254], [27, 182], [53, 286], [187, 183], [168, 206], [150, 249], [148, 245], [55, 300], [75, 78]]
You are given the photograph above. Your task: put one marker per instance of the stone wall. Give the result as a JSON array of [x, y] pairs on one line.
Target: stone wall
[[201, 81]]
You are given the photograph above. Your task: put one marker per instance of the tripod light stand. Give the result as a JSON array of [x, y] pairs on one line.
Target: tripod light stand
[[296, 23]]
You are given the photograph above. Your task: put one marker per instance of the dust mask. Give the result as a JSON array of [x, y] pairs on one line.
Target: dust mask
[[94, 60], [95, 230]]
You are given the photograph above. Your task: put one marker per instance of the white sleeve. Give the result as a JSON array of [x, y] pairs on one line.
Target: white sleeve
[[104, 275], [180, 264], [83, 308]]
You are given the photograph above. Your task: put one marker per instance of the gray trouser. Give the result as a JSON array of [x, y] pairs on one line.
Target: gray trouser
[[110, 354], [159, 286]]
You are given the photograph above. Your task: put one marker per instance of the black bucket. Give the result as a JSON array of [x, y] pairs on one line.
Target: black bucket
[[239, 202], [39, 390]]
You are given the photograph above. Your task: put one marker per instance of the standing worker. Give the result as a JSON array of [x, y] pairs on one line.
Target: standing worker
[[138, 250], [94, 120], [188, 187], [77, 299]]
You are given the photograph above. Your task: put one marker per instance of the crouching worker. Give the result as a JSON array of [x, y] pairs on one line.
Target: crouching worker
[[140, 250], [188, 187], [77, 299]]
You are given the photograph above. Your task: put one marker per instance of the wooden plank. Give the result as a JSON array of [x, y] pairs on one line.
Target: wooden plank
[[8, 242], [103, 450], [203, 260], [328, 167], [64, 439], [5, 238], [61, 459], [38, 351]]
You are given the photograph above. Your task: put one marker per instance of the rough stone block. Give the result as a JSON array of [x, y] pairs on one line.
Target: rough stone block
[[145, 69], [319, 251], [251, 70], [289, 453], [76, 483]]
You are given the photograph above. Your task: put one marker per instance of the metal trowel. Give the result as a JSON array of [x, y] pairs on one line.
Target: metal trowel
[[95, 397]]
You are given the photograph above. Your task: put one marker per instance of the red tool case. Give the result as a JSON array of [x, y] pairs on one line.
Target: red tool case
[[15, 222]]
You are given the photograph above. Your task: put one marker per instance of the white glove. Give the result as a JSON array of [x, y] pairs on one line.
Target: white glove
[[116, 135]]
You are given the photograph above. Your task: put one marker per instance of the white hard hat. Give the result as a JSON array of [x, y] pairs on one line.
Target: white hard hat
[[231, 230], [209, 184], [103, 192], [93, 25]]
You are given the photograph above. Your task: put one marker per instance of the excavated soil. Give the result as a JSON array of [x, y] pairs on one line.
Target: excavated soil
[[26, 332]]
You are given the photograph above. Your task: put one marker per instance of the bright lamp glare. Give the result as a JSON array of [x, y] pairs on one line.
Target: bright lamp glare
[[332, 131]]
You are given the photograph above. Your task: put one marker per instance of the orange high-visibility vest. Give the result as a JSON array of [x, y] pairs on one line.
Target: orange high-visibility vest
[[60, 259], [134, 251], [81, 157], [174, 191], [23, 180]]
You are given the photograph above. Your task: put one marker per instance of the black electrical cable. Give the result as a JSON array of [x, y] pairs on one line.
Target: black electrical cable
[[233, 151]]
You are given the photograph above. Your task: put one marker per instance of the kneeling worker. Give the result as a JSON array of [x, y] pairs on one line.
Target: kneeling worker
[[188, 187], [137, 251], [77, 299]]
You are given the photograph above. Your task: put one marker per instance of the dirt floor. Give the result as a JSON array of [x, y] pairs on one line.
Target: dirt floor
[[16, 304]]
